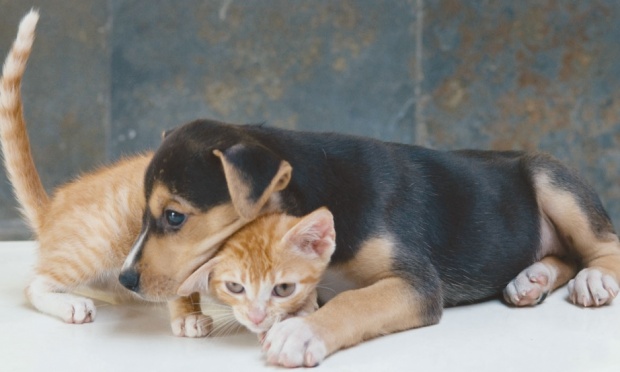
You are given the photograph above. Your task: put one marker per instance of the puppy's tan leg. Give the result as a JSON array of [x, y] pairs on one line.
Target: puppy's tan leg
[[187, 319], [533, 284], [582, 223], [387, 306]]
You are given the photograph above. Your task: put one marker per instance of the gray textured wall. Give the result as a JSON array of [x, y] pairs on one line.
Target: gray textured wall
[[107, 76]]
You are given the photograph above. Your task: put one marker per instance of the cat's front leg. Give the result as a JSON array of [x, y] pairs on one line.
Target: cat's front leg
[[187, 319], [389, 305]]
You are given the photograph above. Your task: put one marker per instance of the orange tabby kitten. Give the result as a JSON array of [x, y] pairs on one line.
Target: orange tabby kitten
[[269, 269], [87, 229]]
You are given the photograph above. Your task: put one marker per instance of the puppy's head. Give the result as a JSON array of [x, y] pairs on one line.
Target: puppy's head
[[206, 181]]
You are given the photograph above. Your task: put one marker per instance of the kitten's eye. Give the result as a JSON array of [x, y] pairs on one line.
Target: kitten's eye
[[284, 289], [234, 287], [173, 218]]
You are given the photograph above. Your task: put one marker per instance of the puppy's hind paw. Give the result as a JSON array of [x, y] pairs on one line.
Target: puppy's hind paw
[[192, 325], [530, 287], [592, 287]]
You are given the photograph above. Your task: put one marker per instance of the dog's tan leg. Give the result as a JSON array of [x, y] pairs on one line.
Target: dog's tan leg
[[187, 319], [581, 222], [533, 284], [387, 306]]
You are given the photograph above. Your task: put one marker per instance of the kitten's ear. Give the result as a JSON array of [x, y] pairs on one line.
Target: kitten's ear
[[253, 173], [198, 282], [314, 234]]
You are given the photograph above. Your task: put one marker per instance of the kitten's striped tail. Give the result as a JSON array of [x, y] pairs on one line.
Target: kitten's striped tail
[[18, 160]]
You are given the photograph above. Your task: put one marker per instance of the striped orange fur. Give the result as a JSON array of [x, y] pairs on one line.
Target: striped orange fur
[[87, 228], [275, 262]]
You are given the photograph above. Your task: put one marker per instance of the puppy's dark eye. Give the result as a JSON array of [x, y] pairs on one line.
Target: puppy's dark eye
[[234, 287], [174, 219], [284, 289]]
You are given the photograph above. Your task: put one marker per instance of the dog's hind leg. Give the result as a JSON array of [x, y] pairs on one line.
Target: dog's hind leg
[[582, 224], [595, 285], [533, 284]]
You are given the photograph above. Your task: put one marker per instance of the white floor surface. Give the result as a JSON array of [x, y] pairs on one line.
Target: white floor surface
[[555, 336]]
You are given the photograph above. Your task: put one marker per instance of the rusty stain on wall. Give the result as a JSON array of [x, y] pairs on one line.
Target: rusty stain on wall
[[534, 75]]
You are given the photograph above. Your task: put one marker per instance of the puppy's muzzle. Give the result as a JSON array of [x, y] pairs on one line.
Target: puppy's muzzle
[[130, 279]]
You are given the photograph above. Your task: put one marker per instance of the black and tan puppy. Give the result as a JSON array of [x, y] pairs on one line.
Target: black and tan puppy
[[417, 229]]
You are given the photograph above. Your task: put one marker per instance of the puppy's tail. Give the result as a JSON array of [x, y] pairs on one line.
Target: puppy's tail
[[18, 160]]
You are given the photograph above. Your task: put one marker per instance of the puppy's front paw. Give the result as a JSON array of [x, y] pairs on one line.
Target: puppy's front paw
[[192, 325], [293, 343], [530, 287], [592, 287]]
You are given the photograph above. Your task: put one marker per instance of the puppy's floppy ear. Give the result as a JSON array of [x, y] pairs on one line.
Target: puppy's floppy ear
[[253, 173], [314, 235], [198, 282]]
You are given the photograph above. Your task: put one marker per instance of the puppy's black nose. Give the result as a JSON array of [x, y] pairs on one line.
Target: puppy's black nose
[[130, 279]]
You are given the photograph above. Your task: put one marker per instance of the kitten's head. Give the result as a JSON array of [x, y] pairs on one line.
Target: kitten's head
[[268, 270]]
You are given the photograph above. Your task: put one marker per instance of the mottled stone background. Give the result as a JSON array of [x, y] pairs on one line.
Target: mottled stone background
[[106, 77]]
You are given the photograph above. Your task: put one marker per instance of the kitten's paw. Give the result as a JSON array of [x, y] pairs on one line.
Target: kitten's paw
[[192, 325], [50, 298], [76, 310], [592, 287], [530, 287], [293, 343]]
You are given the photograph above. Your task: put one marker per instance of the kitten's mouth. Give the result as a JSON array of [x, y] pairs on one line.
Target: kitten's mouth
[[261, 328]]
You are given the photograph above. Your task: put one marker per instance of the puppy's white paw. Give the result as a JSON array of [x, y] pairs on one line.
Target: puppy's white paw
[[592, 287], [293, 343], [192, 325], [530, 287]]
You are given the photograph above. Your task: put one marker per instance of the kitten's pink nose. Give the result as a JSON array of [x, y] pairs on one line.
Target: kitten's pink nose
[[257, 316]]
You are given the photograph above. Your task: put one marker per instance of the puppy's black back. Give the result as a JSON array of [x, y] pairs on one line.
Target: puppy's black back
[[462, 223], [469, 216], [480, 220]]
